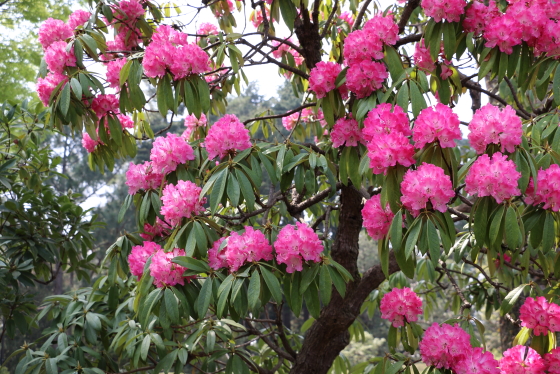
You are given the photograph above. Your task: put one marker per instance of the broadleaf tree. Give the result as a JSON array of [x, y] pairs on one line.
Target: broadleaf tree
[[237, 220]]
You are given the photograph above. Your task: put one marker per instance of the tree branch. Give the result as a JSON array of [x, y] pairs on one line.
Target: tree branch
[[246, 122], [407, 11]]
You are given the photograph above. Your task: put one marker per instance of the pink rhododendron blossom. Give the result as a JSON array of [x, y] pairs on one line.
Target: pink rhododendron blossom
[[78, 18], [552, 361], [282, 48], [46, 86], [167, 34], [256, 16], [444, 346], [105, 104], [347, 17], [182, 200], [296, 244], [290, 121], [57, 58], [365, 77], [125, 121], [490, 125], [448, 10], [88, 143], [377, 220], [549, 41], [385, 150], [477, 361], [495, 176], [188, 60], [158, 57], [192, 123], [548, 188], [540, 315], [217, 258], [362, 45], [423, 58], [385, 118], [139, 255], [436, 123], [250, 246], [308, 116], [400, 305], [206, 28], [478, 15], [165, 272], [498, 260], [383, 28], [159, 228], [521, 360], [322, 78], [128, 11], [169, 152], [114, 72], [504, 32], [346, 131], [227, 135], [428, 183], [54, 30], [142, 177]]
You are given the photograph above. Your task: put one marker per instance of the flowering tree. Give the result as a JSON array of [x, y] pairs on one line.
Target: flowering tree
[[238, 220]]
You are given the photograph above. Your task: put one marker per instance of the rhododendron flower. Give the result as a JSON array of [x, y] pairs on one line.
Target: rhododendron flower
[[217, 258], [377, 220], [428, 183], [540, 315], [362, 45], [256, 16], [78, 18], [296, 244], [143, 177], [192, 123], [165, 272], [46, 86], [448, 10], [322, 78], [385, 150], [308, 115], [423, 58], [206, 28], [114, 72], [346, 131], [181, 201], [125, 121], [490, 125], [383, 28], [504, 32], [478, 15], [385, 118], [159, 228], [188, 60], [57, 58], [88, 143], [167, 34], [169, 152], [365, 77], [436, 123], [347, 17], [498, 262], [400, 305], [477, 361], [227, 135], [128, 11], [290, 121], [281, 48], [548, 188], [250, 246], [521, 360], [139, 255], [495, 176], [552, 361], [549, 41], [105, 104], [444, 346], [54, 30]]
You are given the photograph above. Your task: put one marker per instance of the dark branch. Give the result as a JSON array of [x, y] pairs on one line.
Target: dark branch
[[279, 115], [407, 11]]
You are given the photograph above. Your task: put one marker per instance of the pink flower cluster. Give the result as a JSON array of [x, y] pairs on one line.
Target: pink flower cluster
[[386, 130], [522, 360], [54, 30], [114, 72], [58, 57], [479, 15], [307, 115], [143, 177], [90, 144], [159, 228], [436, 123], [169, 152], [347, 17], [105, 104], [361, 47], [424, 61], [490, 125], [78, 18], [165, 272], [400, 305], [139, 255], [540, 315], [46, 86], [552, 361], [227, 135], [192, 123], [322, 78], [250, 246], [182, 200], [256, 16], [449, 347], [548, 183], [208, 29], [377, 220], [282, 48], [494, 176], [296, 244], [346, 131], [170, 52], [448, 10], [428, 183]]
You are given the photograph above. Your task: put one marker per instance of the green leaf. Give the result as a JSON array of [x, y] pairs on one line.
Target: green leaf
[[203, 95], [395, 231], [148, 304], [272, 284], [246, 189], [192, 263], [204, 297], [496, 225], [556, 86], [308, 276], [512, 231], [218, 190], [144, 349], [394, 63], [289, 12], [412, 237], [343, 166], [165, 364], [233, 190], [65, 100], [76, 88], [163, 95], [171, 305], [223, 295], [325, 284], [511, 298], [433, 242], [254, 290], [548, 233], [417, 99], [115, 128]]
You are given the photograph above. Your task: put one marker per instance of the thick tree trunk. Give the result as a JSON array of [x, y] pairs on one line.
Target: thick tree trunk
[[329, 334]]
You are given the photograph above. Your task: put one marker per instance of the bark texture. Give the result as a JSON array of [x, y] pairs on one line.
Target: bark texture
[[329, 334]]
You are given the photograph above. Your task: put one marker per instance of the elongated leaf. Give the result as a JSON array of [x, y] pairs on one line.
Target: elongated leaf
[[171, 305], [218, 190], [325, 284], [433, 242], [512, 232], [511, 298], [272, 284], [205, 297], [412, 237], [254, 290]]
